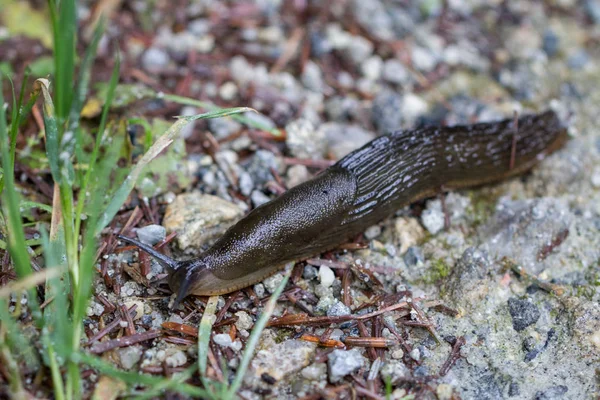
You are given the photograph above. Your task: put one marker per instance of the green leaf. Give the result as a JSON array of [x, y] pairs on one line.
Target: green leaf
[[223, 112]]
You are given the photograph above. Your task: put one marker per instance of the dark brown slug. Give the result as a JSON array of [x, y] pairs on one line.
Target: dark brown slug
[[361, 189]]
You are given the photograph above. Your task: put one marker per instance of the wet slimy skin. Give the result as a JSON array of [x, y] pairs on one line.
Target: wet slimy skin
[[360, 190]]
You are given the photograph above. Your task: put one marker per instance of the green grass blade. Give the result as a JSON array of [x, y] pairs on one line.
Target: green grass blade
[[206, 323], [51, 128], [162, 143], [255, 336], [114, 79], [65, 30], [10, 201], [133, 378], [25, 205], [223, 112], [209, 106]]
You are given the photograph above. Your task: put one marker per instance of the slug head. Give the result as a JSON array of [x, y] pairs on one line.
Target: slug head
[[191, 277]]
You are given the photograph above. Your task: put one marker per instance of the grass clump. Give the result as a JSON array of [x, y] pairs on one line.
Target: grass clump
[[44, 328]]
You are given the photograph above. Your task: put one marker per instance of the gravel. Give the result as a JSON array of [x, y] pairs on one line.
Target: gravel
[[344, 362], [523, 313], [151, 234]]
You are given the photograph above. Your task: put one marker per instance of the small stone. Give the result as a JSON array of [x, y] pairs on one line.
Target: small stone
[[596, 177], [283, 359], [129, 356], [244, 320], [309, 273], [224, 340], [423, 59], [552, 393], [344, 362], [312, 77], [139, 307], [413, 106], [397, 354], [359, 50], [314, 372], [338, 309], [385, 112], [303, 140], [513, 389], [326, 276], [199, 218], [259, 289], [344, 138], [414, 256], [395, 72], [592, 7], [550, 43], [297, 174], [372, 67], [155, 59], [415, 354], [176, 359], [223, 127], [433, 217], [245, 183], [395, 370], [372, 232], [151, 234], [272, 282], [523, 313], [578, 60], [408, 232], [228, 91], [258, 198]]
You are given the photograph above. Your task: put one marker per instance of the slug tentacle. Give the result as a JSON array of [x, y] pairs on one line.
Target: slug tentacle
[[363, 188], [164, 260]]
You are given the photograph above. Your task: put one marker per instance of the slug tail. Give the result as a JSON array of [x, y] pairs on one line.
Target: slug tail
[[165, 261]]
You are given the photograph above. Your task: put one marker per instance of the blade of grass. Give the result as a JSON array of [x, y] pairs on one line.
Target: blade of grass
[[133, 379], [64, 28], [120, 196], [29, 282], [10, 202], [211, 107], [255, 336], [114, 79], [51, 128], [25, 205], [204, 330]]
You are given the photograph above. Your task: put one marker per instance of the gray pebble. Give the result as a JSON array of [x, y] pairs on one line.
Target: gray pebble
[[414, 256], [523, 313], [338, 309], [303, 140], [245, 183], [309, 272], [395, 72], [552, 393], [344, 362], [433, 217], [129, 356], [258, 198], [155, 59], [151, 234]]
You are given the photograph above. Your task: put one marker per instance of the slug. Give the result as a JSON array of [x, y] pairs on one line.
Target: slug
[[358, 191]]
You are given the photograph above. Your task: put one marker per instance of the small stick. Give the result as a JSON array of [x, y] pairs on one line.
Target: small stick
[[124, 341], [453, 357]]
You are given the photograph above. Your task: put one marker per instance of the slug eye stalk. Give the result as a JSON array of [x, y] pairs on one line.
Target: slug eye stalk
[[165, 261]]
